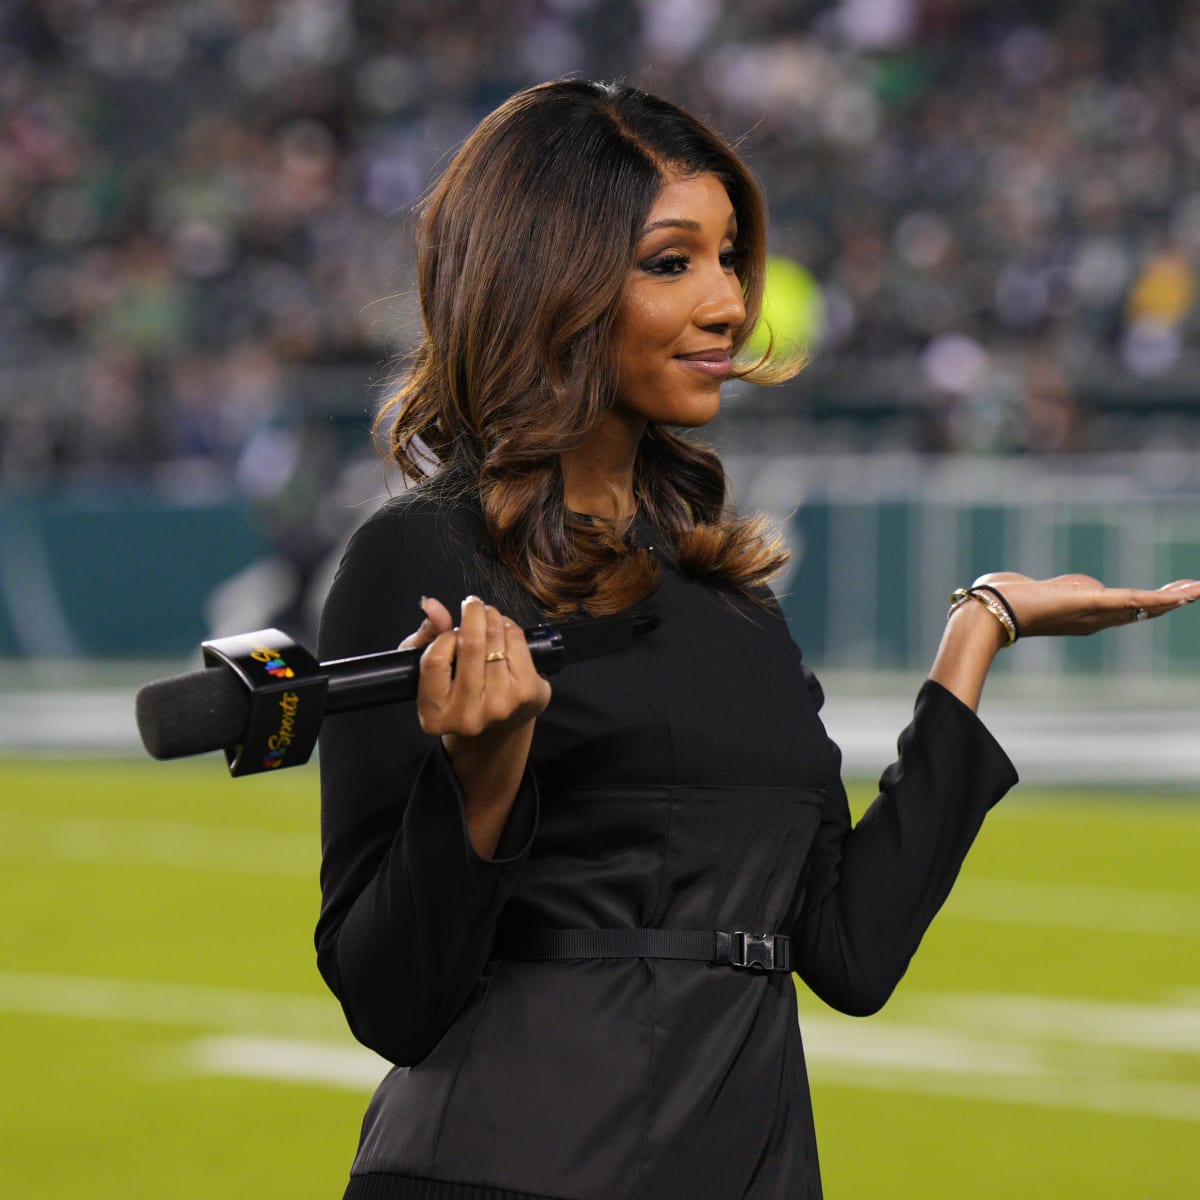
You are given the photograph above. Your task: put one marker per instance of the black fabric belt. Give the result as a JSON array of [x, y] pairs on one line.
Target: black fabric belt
[[727, 948]]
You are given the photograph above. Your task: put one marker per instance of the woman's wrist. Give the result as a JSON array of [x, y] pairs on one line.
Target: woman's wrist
[[489, 768], [971, 640], [994, 601]]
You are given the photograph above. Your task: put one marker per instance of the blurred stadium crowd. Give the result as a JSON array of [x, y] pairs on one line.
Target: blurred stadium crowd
[[992, 210]]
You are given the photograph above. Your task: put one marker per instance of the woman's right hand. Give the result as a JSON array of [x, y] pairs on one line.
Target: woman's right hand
[[480, 692], [478, 679]]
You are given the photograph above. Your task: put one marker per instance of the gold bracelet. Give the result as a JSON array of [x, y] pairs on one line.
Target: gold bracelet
[[960, 596]]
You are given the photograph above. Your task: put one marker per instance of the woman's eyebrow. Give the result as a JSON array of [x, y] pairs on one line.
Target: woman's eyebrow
[[680, 223], [672, 223]]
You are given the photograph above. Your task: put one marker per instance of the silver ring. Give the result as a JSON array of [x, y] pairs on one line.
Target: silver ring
[[1140, 615]]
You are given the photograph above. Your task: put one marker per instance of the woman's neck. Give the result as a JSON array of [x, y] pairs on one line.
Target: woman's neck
[[598, 476]]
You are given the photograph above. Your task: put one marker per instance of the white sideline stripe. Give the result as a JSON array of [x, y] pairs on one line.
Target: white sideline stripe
[[286, 1061], [188, 1004], [903, 1059], [162, 843], [1075, 906], [1173, 1030], [909, 1046], [1161, 1100], [996, 1052]]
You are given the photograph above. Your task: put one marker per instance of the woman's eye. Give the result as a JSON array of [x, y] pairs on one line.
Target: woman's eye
[[677, 264], [666, 264]]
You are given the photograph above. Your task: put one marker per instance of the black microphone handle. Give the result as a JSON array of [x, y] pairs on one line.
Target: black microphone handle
[[369, 679], [391, 675], [210, 709]]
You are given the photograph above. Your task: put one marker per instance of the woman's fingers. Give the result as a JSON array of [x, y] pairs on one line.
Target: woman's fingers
[[530, 688], [496, 652], [436, 684], [1141, 605], [437, 620], [1114, 606], [1188, 589], [451, 655], [472, 647], [481, 676], [1079, 604]]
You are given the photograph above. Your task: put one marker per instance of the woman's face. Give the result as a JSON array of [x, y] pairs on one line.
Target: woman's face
[[682, 306]]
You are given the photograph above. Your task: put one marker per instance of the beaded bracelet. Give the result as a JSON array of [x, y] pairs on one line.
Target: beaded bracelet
[[1008, 608], [993, 602]]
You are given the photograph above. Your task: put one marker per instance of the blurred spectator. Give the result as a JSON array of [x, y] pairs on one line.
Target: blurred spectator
[[200, 197], [1053, 417]]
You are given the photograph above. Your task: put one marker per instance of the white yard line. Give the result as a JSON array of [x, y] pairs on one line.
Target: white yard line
[[1172, 1029], [893, 1057], [1163, 1100], [1052, 1052], [286, 1061], [915, 1045], [1047, 1051], [152, 1003]]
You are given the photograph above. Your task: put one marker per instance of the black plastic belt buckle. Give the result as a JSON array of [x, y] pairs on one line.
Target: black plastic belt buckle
[[761, 951]]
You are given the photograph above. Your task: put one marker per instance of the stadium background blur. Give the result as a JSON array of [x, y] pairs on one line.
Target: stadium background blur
[[985, 222], [985, 229]]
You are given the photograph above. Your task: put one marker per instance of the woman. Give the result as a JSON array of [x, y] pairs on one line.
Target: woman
[[590, 266]]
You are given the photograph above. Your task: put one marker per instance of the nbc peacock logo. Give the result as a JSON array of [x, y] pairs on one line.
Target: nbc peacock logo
[[272, 662]]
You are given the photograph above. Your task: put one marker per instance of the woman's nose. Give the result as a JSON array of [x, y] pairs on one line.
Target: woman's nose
[[723, 306]]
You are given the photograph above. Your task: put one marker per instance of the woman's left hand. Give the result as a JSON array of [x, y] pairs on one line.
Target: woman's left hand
[[1070, 605], [1075, 605]]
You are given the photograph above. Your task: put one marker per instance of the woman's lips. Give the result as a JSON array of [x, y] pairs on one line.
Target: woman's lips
[[714, 363]]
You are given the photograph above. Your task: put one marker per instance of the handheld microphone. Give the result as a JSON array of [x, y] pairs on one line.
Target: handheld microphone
[[261, 696]]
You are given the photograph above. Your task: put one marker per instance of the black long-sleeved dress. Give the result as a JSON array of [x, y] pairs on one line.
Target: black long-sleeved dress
[[685, 784]]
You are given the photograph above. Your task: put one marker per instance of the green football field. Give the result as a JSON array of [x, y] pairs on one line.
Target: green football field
[[163, 1030]]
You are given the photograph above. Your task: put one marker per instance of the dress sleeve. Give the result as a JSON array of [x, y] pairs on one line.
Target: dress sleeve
[[871, 891], [408, 908]]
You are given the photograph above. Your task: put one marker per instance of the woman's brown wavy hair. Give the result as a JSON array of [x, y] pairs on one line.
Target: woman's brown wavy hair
[[524, 245]]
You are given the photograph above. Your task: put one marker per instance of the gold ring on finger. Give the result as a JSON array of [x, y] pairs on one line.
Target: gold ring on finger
[[495, 656]]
